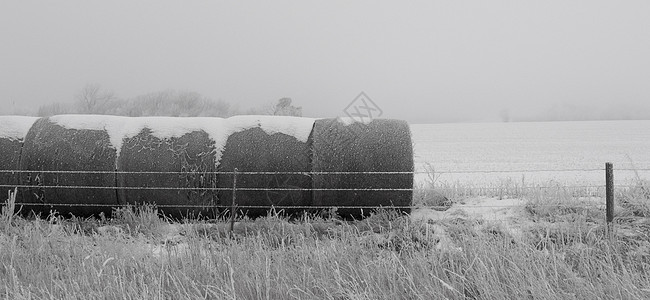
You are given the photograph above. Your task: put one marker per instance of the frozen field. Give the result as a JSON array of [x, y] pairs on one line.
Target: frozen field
[[522, 148]]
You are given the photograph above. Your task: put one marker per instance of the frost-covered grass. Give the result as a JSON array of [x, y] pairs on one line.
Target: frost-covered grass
[[560, 254], [429, 195]]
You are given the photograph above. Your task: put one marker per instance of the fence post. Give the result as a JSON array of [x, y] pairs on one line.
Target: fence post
[[234, 199], [609, 196]]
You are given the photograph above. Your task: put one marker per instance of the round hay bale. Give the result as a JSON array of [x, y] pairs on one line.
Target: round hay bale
[[267, 144], [70, 143], [13, 130], [379, 146], [184, 149]]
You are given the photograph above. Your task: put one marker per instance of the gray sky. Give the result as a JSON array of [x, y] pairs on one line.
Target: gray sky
[[420, 61]]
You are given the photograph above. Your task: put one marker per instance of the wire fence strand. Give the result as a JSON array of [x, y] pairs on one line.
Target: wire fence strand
[[515, 188], [240, 188], [299, 206], [416, 172]]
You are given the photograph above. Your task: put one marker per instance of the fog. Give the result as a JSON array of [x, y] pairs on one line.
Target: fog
[[425, 61]]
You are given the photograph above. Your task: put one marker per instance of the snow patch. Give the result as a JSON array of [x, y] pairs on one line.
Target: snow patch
[[113, 125], [508, 212], [120, 128], [490, 209], [298, 127], [166, 128], [15, 127], [218, 129]]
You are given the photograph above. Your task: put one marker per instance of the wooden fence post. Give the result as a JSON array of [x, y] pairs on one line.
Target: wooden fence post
[[234, 201], [609, 196]]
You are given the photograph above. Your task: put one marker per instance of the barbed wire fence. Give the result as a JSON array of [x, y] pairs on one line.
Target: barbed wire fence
[[604, 191]]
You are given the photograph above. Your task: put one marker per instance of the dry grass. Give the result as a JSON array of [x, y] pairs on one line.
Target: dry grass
[[564, 254], [7, 213]]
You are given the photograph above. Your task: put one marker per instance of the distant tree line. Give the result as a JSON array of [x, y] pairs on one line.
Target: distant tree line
[[583, 112], [93, 99]]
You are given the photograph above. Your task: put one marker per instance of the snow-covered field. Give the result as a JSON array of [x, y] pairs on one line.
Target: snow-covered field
[[521, 148]]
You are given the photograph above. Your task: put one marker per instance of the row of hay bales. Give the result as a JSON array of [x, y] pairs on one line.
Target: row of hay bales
[[180, 164]]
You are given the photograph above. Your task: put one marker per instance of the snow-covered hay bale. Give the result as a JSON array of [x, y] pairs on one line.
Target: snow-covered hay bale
[[180, 156], [13, 130], [267, 144], [70, 143], [378, 146]]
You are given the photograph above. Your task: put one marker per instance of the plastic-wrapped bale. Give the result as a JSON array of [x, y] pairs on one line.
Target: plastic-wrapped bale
[[179, 154], [380, 145], [267, 144], [13, 130], [76, 143]]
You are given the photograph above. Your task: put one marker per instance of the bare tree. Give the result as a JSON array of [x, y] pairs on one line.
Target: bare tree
[[91, 98], [284, 108], [177, 104]]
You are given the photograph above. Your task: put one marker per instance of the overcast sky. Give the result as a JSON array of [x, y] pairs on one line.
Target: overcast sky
[[420, 61]]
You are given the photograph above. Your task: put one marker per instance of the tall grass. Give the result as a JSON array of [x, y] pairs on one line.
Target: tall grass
[[563, 254], [7, 211]]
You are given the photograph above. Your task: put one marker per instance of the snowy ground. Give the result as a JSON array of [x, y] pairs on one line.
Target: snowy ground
[[505, 210], [522, 149]]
